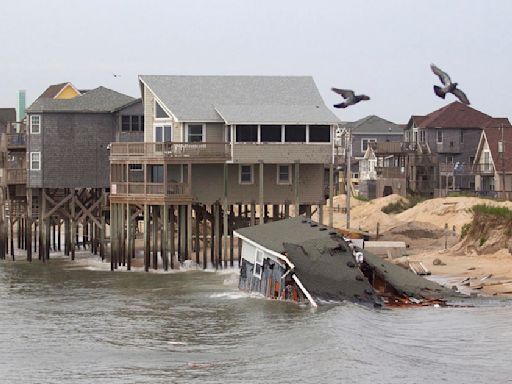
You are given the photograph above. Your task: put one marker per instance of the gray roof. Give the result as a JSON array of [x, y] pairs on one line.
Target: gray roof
[[7, 115], [97, 100], [295, 230], [241, 99], [375, 125]]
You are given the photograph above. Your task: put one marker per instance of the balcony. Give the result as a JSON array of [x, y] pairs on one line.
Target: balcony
[[483, 169], [15, 176], [390, 172], [393, 147], [16, 140], [168, 151], [156, 192]]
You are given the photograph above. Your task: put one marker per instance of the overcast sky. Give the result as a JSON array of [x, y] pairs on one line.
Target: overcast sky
[[381, 48]]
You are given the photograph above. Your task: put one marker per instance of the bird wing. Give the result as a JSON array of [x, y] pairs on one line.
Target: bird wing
[[461, 96], [346, 93], [443, 76]]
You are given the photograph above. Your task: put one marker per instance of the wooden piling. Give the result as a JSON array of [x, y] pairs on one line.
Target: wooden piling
[[128, 238], [29, 224], [165, 238], [205, 239], [172, 246], [147, 248]]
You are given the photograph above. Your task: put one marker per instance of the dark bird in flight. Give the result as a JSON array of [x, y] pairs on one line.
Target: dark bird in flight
[[449, 87], [350, 97], [116, 75]]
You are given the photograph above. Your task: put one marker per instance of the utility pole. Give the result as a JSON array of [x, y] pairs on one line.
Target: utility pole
[[348, 175]]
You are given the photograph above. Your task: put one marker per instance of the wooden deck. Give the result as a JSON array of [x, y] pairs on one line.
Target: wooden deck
[[156, 193], [169, 151]]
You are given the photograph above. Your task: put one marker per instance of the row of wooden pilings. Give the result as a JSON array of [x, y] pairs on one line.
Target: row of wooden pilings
[[176, 233]]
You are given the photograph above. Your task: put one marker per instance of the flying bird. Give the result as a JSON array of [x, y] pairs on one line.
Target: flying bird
[[116, 75], [350, 97], [449, 87]]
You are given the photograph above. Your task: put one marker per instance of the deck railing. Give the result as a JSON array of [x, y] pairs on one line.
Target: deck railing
[[16, 176], [16, 140], [168, 149], [390, 172], [155, 189], [484, 169]]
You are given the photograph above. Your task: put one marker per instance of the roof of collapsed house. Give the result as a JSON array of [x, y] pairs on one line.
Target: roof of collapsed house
[[323, 262], [327, 270]]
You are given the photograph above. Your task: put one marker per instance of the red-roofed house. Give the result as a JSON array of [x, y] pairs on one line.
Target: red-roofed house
[[493, 160], [446, 141]]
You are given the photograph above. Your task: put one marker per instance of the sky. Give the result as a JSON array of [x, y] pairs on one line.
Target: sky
[[380, 48]]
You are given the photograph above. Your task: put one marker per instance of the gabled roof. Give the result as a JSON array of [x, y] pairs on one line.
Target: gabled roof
[[492, 133], [241, 99], [373, 124], [52, 91], [453, 115], [97, 100]]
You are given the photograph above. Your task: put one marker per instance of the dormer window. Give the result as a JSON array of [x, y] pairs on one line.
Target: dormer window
[[160, 112]]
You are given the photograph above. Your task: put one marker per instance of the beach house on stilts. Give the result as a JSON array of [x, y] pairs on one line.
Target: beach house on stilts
[[219, 153]]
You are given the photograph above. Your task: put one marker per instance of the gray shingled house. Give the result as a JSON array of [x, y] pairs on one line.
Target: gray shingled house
[[65, 175], [215, 149]]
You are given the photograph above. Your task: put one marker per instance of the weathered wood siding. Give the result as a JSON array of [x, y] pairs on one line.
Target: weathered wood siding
[[208, 185], [282, 153], [73, 150]]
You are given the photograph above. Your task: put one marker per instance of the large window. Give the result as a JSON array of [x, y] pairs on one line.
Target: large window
[[284, 174], [163, 133], [195, 133], [439, 136], [35, 161], [365, 143], [319, 134], [295, 133], [133, 123], [35, 124], [270, 133], [245, 174], [159, 112], [247, 133]]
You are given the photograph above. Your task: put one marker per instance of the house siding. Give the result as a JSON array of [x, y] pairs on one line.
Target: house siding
[[282, 153], [208, 186], [358, 138], [73, 151]]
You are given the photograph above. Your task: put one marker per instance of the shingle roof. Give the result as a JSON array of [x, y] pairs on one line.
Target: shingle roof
[[493, 134], [241, 98], [52, 91], [97, 100], [294, 230], [375, 125], [453, 115]]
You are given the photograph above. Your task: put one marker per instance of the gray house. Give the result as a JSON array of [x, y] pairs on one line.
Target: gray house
[[67, 165], [443, 147], [219, 152], [368, 130]]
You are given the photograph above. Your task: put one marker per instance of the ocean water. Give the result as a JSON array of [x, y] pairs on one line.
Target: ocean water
[[77, 322]]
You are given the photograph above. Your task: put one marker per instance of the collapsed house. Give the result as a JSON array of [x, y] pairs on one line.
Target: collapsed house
[[299, 260]]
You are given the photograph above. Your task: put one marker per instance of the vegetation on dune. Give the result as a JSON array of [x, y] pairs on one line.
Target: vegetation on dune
[[403, 205], [487, 218]]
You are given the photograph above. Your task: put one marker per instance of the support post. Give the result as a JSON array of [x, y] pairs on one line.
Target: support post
[[29, 224], [331, 195], [296, 188], [128, 254], [172, 238], [261, 197], [147, 248], [165, 238]]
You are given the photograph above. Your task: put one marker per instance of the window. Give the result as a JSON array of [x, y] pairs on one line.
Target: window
[[35, 161], [247, 133], [461, 136], [365, 142], [355, 175], [195, 133], [295, 133], [135, 167], [163, 133], [439, 136], [132, 123], [471, 159], [156, 173], [159, 111], [228, 133], [422, 136], [35, 124], [270, 133], [258, 263], [449, 159], [246, 174], [284, 174], [135, 123], [319, 134], [125, 123]]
